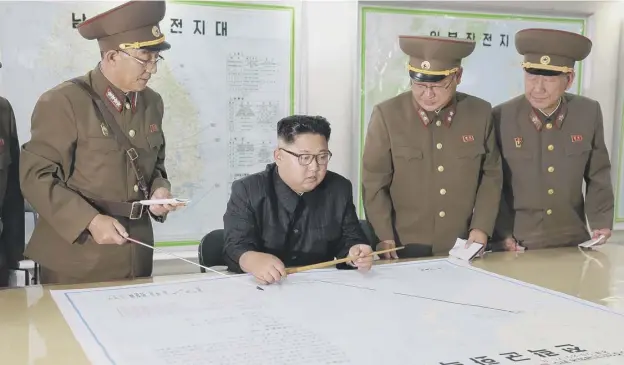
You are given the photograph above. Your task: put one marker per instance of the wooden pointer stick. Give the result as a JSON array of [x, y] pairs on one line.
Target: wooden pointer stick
[[183, 259], [321, 265]]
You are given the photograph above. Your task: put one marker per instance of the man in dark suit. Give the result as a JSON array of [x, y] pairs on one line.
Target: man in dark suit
[[12, 238], [295, 212]]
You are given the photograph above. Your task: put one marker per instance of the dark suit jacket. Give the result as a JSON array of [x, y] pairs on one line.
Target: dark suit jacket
[[12, 233], [265, 215]]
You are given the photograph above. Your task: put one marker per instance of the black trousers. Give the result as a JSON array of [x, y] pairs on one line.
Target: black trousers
[[4, 277]]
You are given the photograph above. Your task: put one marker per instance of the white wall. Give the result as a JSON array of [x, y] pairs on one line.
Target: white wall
[[330, 48], [600, 82], [618, 120]]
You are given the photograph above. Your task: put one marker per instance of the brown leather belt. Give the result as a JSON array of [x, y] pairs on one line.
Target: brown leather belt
[[131, 210]]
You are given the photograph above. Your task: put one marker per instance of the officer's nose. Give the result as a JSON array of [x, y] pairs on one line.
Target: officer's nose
[[153, 69]]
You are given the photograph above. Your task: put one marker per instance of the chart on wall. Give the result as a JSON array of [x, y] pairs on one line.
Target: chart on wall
[[491, 72], [227, 80]]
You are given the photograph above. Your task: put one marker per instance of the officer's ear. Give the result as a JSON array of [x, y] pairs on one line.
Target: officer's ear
[[569, 79], [110, 56], [458, 75]]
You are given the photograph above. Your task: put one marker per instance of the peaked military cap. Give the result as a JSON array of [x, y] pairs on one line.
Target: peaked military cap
[[551, 52], [434, 58], [133, 25]]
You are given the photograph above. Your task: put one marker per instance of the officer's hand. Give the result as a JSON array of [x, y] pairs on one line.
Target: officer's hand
[[266, 268], [606, 232], [386, 245], [363, 259], [160, 209], [510, 244], [107, 230], [477, 236]]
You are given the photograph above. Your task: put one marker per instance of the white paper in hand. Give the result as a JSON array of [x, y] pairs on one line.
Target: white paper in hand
[[590, 243], [173, 201], [461, 252]]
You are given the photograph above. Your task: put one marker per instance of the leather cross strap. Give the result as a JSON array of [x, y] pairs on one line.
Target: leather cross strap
[[132, 210]]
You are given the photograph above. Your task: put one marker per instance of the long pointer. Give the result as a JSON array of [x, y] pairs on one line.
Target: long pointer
[[183, 259]]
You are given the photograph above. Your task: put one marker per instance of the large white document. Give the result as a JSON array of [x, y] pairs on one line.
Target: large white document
[[429, 312]]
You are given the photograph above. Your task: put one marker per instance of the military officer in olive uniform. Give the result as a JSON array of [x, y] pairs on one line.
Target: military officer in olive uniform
[[431, 168], [85, 165], [11, 200], [551, 141]]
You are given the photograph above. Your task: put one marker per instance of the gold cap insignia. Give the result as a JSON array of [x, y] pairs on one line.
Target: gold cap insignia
[[425, 65], [545, 60], [156, 31]]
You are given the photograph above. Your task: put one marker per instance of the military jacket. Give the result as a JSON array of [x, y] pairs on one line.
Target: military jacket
[[428, 178], [73, 161], [545, 162]]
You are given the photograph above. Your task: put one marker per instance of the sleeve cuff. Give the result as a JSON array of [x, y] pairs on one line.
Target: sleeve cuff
[[601, 225], [233, 256], [482, 227], [384, 235], [157, 218], [160, 182], [79, 226]]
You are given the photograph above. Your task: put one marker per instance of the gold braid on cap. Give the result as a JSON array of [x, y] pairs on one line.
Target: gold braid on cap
[[137, 45], [429, 72], [547, 67]]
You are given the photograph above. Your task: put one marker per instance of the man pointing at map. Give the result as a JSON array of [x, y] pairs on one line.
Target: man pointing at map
[[551, 142], [97, 148], [431, 169]]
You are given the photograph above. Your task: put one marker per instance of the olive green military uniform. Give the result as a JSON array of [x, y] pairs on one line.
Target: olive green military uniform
[[547, 158], [429, 178], [12, 238], [74, 168]]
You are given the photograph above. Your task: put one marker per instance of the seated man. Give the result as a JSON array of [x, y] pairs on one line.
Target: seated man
[[295, 212]]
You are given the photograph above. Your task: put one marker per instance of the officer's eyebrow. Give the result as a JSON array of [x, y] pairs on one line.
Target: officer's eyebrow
[[146, 52]]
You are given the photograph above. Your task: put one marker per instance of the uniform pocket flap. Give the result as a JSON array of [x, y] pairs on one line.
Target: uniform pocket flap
[[103, 144], [577, 148], [518, 154], [471, 152], [408, 153], [155, 140]]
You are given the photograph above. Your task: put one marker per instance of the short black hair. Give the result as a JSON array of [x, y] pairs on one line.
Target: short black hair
[[290, 127]]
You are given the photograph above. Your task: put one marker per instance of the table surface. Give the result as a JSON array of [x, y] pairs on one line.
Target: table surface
[[33, 331]]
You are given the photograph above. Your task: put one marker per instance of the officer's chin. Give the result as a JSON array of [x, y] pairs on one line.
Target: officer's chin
[[538, 104], [140, 85], [431, 107]]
